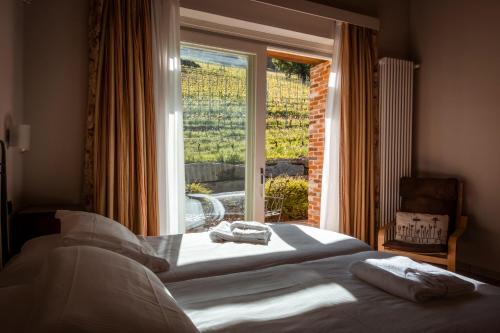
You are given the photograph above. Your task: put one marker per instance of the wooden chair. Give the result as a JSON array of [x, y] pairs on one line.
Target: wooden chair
[[431, 196]]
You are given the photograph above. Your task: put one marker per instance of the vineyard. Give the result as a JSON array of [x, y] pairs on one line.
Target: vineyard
[[215, 106]]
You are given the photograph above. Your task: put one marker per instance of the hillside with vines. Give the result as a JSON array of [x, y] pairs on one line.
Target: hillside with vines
[[215, 104]]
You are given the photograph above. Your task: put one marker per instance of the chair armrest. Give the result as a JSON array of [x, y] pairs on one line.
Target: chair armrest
[[383, 233], [459, 230]]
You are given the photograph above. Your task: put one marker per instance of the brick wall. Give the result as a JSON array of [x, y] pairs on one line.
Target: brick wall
[[317, 105]]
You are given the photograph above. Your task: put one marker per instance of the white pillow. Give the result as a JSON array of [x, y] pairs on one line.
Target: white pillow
[[83, 228], [418, 228], [88, 289]]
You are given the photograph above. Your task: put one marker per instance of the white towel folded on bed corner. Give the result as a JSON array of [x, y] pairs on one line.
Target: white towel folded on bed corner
[[243, 232], [408, 279]]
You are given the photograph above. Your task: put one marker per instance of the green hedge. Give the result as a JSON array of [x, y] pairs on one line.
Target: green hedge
[[294, 190]]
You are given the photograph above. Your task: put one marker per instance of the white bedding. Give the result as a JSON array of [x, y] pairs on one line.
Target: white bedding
[[83, 289], [323, 296], [15, 304], [24, 267], [195, 255]]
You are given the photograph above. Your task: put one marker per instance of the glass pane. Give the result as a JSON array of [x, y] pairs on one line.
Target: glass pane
[[287, 141], [214, 93]]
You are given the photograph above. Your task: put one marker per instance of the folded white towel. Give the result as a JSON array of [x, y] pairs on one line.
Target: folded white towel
[[250, 225], [408, 279], [251, 236], [225, 232]]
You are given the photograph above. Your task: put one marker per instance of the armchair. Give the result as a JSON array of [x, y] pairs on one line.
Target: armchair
[[431, 196]]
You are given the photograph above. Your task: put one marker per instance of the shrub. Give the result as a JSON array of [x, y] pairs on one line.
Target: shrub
[[294, 191], [197, 188]]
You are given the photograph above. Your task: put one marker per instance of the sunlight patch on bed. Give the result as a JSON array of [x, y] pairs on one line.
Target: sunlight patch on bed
[[207, 251], [270, 308], [322, 237]]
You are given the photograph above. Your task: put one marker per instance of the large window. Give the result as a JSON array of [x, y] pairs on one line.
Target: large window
[[246, 131]]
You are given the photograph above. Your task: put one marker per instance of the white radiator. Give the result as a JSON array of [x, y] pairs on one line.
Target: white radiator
[[395, 116]]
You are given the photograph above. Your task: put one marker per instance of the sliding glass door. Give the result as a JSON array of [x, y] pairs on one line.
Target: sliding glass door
[[220, 105]]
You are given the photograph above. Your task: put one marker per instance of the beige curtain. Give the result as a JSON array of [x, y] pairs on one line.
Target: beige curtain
[[120, 159], [358, 134]]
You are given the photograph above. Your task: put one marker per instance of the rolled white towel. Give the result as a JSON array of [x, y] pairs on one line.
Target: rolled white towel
[[222, 232], [408, 279]]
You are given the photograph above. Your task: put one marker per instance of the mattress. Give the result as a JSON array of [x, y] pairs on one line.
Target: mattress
[[323, 296], [195, 255]]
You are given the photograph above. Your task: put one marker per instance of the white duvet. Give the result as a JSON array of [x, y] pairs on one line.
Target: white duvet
[[323, 296]]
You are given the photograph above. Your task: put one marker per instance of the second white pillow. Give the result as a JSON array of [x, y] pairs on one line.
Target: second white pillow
[[84, 228]]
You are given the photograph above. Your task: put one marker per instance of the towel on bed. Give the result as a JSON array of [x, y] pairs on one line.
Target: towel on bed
[[243, 232], [408, 279], [250, 225]]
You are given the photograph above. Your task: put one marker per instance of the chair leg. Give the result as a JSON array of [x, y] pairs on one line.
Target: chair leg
[[452, 263]]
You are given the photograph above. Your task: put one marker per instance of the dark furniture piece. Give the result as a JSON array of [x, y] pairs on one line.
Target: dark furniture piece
[[430, 196], [33, 222]]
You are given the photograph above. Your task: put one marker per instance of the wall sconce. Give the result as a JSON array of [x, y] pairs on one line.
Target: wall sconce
[[19, 136]]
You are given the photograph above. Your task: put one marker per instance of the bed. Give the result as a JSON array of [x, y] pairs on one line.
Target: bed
[[89, 289], [299, 282], [195, 255], [323, 296]]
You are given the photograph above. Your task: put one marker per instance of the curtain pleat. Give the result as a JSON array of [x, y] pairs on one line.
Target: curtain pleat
[[330, 183], [169, 115], [358, 128], [120, 159]]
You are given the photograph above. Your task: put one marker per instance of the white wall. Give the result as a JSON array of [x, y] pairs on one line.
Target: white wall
[[11, 92], [55, 94], [458, 111]]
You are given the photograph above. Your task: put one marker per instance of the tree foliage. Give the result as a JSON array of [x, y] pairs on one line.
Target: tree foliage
[[290, 68]]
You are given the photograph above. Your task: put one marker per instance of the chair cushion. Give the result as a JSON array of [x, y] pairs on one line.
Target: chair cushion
[[421, 229]]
